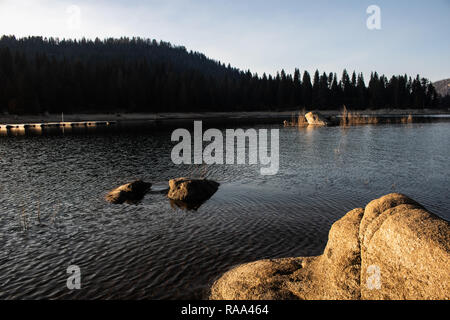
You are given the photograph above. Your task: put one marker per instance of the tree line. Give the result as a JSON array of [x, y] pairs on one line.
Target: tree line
[[141, 75]]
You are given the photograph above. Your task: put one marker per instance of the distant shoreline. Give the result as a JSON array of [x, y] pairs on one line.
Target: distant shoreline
[[273, 116]]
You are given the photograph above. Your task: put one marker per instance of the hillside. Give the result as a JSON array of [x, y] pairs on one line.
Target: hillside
[[442, 87], [121, 49], [142, 75]]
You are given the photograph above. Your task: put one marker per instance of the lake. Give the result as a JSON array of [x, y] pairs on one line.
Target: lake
[[53, 212]]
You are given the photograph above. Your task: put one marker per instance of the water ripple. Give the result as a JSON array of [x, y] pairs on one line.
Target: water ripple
[[54, 215]]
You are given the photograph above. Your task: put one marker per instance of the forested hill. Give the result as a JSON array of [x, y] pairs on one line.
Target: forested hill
[[123, 50], [141, 75]]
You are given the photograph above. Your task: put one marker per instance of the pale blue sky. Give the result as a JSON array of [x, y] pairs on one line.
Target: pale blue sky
[[263, 36]]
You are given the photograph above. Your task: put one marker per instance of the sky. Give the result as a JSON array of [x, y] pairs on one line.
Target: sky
[[411, 37]]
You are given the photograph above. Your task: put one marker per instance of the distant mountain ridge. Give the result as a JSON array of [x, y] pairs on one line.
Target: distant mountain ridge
[[442, 87]]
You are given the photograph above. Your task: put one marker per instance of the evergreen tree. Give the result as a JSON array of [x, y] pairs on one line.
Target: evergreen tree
[[316, 103], [143, 75], [307, 89]]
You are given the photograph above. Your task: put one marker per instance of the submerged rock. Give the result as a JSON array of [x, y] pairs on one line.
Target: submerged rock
[[191, 190], [316, 119], [159, 187], [130, 192], [392, 249]]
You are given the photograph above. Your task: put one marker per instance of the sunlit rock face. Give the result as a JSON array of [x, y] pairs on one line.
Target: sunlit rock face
[[130, 193], [316, 119], [392, 249], [191, 190], [409, 245]]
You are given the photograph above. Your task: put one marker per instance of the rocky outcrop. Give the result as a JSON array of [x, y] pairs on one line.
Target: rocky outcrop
[[130, 192], [191, 190], [392, 249], [409, 246], [316, 119], [442, 87]]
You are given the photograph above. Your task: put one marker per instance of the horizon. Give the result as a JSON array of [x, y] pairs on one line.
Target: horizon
[[410, 41]]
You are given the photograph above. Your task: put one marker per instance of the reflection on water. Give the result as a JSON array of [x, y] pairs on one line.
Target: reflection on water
[[52, 192], [55, 128], [185, 205]]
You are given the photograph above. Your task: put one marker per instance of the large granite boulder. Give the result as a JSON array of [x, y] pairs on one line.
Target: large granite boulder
[[130, 192], [408, 246], [392, 249], [316, 119], [191, 190]]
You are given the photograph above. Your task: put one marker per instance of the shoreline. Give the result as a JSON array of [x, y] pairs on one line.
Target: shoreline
[[223, 116], [82, 123]]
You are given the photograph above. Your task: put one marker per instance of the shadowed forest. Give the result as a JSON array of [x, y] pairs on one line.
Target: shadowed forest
[[141, 75]]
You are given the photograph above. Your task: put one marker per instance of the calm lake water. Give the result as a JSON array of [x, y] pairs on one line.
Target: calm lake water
[[153, 250]]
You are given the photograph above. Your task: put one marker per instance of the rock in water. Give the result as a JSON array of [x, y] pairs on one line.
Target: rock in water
[[316, 119], [130, 192], [191, 190], [160, 187], [392, 249]]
